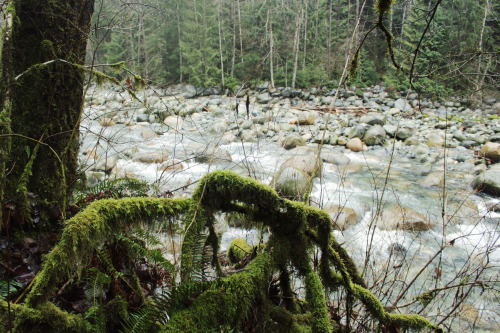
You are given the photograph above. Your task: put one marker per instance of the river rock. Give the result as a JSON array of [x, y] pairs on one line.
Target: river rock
[[435, 139], [291, 183], [292, 140], [249, 135], [148, 134], [433, 179], [170, 165], [374, 136], [263, 98], [212, 155], [491, 150], [174, 122], [342, 217], [219, 127], [403, 218], [373, 118], [403, 105], [355, 144], [305, 163], [151, 157], [106, 164], [488, 181], [406, 129], [335, 158], [356, 131], [306, 118]]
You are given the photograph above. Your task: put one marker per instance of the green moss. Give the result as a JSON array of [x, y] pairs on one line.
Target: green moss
[[316, 301], [91, 228], [415, 322], [44, 318], [238, 249], [225, 304]]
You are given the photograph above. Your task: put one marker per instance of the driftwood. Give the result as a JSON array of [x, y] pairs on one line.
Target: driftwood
[[337, 109]]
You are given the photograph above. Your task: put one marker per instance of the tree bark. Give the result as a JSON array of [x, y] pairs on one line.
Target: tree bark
[[48, 45]]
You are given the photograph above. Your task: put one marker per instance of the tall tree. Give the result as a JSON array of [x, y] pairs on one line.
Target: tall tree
[[42, 98]]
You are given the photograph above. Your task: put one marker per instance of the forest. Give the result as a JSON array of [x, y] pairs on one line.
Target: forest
[[297, 43], [249, 166]]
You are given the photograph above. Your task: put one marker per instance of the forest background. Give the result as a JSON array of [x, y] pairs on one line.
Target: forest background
[[298, 43]]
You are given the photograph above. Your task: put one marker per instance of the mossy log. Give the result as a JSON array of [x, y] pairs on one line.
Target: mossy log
[[296, 229], [238, 249]]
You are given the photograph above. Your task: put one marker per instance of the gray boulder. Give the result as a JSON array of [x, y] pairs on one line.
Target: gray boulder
[[491, 150], [403, 218], [342, 217], [488, 181], [335, 158], [374, 136], [305, 163], [212, 155], [292, 140], [292, 183], [403, 105]]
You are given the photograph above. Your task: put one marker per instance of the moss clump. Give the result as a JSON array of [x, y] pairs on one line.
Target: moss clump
[[44, 318], [238, 249]]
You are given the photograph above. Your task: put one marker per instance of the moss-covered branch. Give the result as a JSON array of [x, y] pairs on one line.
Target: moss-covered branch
[[90, 229], [225, 305], [296, 229]]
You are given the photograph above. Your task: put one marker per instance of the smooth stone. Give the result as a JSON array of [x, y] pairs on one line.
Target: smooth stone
[[305, 163], [491, 150], [152, 157], [374, 136], [292, 140], [403, 218], [106, 164], [291, 183], [174, 122], [435, 139], [373, 119], [219, 127], [335, 158], [488, 181], [355, 144], [306, 118], [342, 217], [433, 179], [148, 134], [212, 155], [403, 105]]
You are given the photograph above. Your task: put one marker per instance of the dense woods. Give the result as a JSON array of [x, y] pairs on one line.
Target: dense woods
[[299, 43]]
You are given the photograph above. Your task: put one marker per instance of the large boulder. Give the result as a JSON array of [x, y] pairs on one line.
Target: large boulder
[[488, 181], [292, 140], [374, 136], [335, 158], [292, 183], [403, 218], [212, 155], [491, 150], [152, 157], [306, 163], [342, 217], [373, 118]]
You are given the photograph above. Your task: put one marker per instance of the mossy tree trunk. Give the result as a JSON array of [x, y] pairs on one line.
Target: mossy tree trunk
[[42, 99]]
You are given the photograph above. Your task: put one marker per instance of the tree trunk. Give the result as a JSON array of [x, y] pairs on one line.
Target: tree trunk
[[271, 46], [480, 77], [48, 44], [219, 19], [296, 47], [178, 15]]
